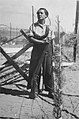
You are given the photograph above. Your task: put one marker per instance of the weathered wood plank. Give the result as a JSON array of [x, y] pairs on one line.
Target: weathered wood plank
[[6, 64], [20, 52], [14, 64]]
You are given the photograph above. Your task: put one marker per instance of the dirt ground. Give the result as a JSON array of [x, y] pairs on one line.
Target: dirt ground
[[16, 104]]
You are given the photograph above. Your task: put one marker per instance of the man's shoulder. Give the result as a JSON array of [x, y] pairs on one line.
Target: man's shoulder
[[36, 23]]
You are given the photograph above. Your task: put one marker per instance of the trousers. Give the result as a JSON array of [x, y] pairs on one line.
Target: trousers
[[46, 65]]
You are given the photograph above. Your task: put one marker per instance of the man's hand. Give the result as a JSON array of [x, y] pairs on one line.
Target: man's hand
[[30, 34], [31, 39], [34, 40], [46, 40]]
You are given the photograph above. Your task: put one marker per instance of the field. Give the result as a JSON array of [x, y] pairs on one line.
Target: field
[[14, 97]]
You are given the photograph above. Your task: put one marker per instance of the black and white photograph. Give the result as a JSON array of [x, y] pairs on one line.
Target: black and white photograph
[[39, 59]]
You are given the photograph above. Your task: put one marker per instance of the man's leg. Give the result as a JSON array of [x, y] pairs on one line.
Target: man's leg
[[48, 77]]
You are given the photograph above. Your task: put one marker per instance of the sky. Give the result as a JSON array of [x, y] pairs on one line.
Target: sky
[[18, 13]]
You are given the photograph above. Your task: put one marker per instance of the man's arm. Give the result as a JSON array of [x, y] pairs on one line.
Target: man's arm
[[32, 39]]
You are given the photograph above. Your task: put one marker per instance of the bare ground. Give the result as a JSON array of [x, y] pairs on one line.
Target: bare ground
[[15, 102]]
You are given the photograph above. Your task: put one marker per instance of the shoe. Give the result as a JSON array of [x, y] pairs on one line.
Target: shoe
[[28, 87], [50, 95], [39, 91], [32, 95]]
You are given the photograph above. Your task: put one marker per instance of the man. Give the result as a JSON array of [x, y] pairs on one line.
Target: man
[[40, 37]]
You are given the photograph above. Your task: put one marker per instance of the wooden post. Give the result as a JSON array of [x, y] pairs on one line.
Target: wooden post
[[75, 30], [10, 30], [57, 95], [32, 16]]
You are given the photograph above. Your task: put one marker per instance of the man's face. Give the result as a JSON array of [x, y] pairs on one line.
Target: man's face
[[41, 15]]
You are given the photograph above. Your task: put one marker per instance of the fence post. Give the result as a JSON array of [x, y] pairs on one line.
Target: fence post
[[57, 94], [76, 30]]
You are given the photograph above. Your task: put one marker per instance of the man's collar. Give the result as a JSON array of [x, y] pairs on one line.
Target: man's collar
[[41, 25]]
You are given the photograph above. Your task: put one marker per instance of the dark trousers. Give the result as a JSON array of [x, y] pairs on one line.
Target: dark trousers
[[46, 64]]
